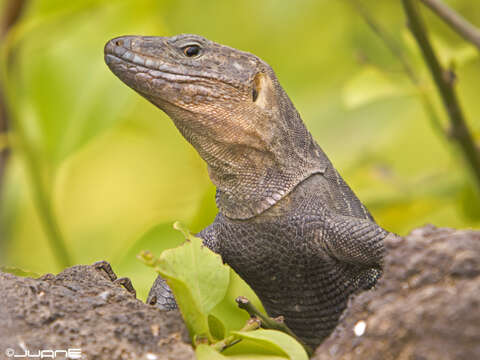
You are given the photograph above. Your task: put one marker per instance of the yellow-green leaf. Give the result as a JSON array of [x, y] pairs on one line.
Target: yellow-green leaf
[[206, 352], [277, 341], [199, 280], [216, 327], [19, 272], [370, 85]]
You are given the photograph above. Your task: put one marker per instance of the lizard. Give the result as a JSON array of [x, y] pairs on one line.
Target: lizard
[[287, 223]]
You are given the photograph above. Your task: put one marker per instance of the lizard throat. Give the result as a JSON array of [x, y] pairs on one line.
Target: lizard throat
[[248, 194]]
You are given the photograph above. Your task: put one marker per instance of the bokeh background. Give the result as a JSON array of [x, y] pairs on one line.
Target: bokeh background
[[96, 165]]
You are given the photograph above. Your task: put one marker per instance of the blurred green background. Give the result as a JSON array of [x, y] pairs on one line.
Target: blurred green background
[[113, 173]]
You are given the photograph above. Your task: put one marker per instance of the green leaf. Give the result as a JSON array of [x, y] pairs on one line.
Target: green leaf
[[227, 310], [257, 357], [156, 239], [216, 327], [276, 341], [457, 56], [19, 272], [199, 280], [205, 352], [177, 225], [448, 54], [370, 85]]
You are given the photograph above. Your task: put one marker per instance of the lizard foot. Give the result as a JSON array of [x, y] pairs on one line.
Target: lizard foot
[[161, 295], [124, 281], [127, 284]]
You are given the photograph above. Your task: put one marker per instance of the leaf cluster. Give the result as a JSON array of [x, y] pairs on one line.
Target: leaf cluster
[[200, 282]]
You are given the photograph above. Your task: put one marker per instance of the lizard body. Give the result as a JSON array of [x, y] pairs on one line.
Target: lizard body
[[288, 224]]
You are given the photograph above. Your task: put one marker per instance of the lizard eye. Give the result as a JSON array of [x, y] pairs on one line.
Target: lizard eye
[[191, 50]]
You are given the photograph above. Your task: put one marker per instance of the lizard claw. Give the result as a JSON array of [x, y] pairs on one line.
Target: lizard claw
[[106, 267], [127, 284], [124, 281]]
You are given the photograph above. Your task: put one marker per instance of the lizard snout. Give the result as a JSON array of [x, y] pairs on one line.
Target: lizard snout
[[118, 46]]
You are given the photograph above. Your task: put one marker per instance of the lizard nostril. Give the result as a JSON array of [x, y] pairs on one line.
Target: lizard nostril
[[119, 42]]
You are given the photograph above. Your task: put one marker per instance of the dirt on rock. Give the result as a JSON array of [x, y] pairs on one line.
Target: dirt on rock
[[81, 308], [425, 306]]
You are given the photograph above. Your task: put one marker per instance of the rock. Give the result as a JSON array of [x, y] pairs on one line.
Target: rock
[[425, 306], [81, 308]]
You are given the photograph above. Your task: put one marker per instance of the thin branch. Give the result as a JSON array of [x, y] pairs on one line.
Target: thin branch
[[445, 81], [459, 24], [41, 196], [398, 52], [12, 11], [251, 325], [389, 42], [268, 322]]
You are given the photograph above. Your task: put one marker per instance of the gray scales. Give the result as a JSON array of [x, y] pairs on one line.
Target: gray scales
[[288, 224]]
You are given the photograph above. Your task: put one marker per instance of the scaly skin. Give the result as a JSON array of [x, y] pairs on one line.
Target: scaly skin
[[287, 222]]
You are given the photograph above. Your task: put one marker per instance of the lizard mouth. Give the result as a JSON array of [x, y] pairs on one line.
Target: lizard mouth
[[121, 59], [126, 62]]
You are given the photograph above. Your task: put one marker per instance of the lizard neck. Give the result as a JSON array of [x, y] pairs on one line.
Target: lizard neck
[[254, 158], [253, 183], [244, 202]]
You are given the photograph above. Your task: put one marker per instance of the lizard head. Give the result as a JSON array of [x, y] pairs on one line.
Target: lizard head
[[225, 94], [227, 103]]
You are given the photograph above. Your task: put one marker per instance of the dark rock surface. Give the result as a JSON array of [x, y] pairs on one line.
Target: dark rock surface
[[426, 305], [81, 308]]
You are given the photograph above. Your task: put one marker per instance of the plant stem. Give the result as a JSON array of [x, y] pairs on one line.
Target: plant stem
[[457, 22], [445, 81], [41, 196], [390, 43], [268, 322], [397, 51], [12, 11], [252, 324]]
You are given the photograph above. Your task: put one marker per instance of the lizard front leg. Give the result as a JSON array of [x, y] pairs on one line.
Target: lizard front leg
[[160, 294], [352, 240]]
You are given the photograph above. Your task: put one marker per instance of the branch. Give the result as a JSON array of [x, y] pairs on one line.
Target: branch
[[252, 324], [268, 322], [397, 51], [445, 81], [8, 82], [457, 22], [11, 13], [389, 42]]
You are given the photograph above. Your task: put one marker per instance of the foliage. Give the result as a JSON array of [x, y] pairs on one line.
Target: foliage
[[200, 281], [116, 172], [18, 272]]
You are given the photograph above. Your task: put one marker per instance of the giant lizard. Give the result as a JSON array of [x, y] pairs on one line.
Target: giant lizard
[[288, 223]]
